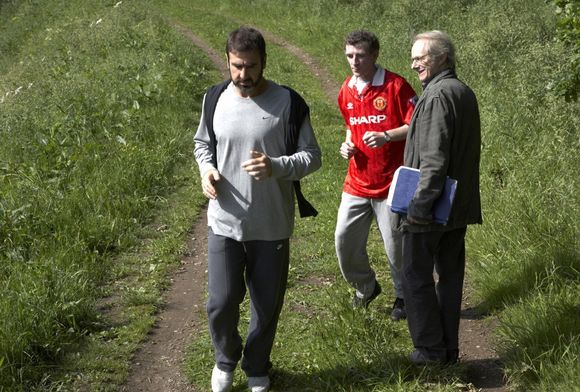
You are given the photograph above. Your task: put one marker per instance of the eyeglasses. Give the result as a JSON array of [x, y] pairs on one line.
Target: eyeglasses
[[420, 59]]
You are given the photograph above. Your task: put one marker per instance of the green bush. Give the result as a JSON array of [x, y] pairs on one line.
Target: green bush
[[566, 82]]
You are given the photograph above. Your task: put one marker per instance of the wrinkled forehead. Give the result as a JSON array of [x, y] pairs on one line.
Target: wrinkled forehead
[[420, 48]]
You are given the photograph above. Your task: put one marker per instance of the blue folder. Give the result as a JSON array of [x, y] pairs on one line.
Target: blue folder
[[403, 187]]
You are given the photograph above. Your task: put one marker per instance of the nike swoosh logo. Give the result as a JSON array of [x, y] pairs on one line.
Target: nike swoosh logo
[[265, 117]]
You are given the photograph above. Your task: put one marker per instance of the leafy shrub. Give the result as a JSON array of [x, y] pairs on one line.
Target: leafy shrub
[[567, 79]]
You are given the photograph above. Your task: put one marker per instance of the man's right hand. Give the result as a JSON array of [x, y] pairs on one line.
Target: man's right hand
[[347, 149], [207, 183]]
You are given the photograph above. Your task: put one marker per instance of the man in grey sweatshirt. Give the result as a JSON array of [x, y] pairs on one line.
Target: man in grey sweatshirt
[[248, 173]]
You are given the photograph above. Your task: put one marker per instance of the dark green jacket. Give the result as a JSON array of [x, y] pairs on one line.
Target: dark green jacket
[[444, 139]]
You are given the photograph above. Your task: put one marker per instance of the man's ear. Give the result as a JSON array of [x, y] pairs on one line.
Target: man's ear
[[442, 60]]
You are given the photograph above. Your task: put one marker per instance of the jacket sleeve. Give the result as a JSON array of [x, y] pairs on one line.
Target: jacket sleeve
[[435, 125], [203, 150], [306, 159]]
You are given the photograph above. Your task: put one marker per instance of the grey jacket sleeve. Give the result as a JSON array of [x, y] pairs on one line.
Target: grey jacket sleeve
[[306, 160]]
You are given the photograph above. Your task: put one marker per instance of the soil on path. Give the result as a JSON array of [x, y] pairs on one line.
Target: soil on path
[[484, 368], [157, 365]]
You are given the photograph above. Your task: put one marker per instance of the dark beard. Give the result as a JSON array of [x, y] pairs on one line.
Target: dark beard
[[254, 84]]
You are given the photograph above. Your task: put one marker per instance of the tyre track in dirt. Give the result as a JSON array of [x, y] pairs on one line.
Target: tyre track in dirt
[[157, 364]]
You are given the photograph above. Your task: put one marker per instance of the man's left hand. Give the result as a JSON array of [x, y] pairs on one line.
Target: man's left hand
[[259, 166], [417, 221]]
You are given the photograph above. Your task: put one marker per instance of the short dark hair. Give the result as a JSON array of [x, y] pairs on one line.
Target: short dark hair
[[363, 37], [246, 39]]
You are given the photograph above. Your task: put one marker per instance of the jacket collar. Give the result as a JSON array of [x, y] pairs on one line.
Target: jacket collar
[[445, 74]]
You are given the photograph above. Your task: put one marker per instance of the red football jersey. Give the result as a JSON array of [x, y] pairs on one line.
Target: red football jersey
[[386, 103]]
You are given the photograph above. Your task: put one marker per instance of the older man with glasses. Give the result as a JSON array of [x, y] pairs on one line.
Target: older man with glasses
[[443, 141]]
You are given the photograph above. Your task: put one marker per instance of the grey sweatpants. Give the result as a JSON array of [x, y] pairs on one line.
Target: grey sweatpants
[[262, 267], [355, 216]]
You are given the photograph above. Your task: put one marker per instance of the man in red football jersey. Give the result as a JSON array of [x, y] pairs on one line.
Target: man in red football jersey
[[377, 106]]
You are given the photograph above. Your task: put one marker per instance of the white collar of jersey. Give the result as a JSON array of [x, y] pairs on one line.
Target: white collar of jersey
[[378, 78]]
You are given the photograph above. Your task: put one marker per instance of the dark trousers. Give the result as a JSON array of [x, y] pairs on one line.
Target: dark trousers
[[262, 267], [434, 308]]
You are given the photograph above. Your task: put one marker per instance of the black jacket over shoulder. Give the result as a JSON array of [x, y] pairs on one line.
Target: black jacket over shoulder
[[299, 110], [444, 139]]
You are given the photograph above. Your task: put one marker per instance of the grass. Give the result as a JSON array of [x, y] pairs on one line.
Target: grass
[[96, 110], [98, 105], [529, 240]]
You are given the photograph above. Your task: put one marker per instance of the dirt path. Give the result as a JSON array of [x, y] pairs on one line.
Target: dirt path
[[157, 365], [484, 368], [329, 87]]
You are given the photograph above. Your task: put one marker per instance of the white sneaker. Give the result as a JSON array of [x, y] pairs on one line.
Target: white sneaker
[[259, 384], [221, 381]]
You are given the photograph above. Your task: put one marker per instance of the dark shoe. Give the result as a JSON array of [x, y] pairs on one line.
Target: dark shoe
[[364, 302], [452, 356], [398, 313], [420, 358]]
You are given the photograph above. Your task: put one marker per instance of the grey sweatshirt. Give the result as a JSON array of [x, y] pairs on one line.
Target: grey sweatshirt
[[247, 209]]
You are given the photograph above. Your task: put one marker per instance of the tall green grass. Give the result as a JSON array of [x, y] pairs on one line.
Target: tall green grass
[[95, 109], [540, 334], [97, 105], [509, 53]]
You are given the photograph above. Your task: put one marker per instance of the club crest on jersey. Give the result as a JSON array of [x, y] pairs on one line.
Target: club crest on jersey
[[380, 103]]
